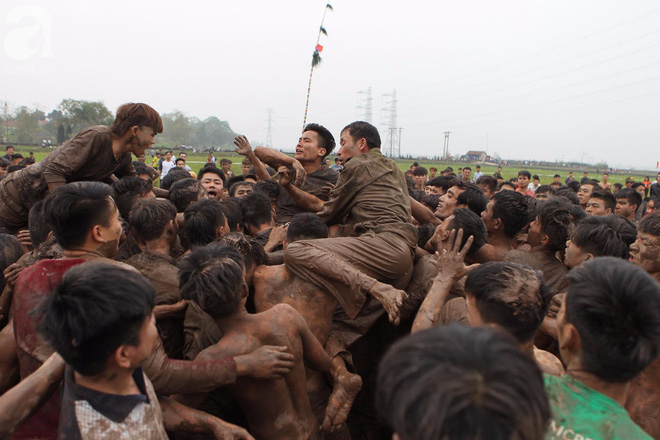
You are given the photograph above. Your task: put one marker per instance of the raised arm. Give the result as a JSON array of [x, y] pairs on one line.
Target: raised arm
[[244, 148], [451, 268], [277, 159], [308, 202]]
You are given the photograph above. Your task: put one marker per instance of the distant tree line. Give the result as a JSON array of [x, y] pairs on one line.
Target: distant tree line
[[26, 125]]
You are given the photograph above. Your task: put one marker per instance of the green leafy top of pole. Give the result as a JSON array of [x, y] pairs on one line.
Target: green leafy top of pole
[[316, 57]]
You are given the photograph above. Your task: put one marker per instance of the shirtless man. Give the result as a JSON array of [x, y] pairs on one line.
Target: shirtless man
[[94, 154], [276, 409], [275, 285], [643, 402], [547, 235], [505, 216], [515, 298]]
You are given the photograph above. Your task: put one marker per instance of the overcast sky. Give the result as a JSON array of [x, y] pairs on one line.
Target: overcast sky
[[560, 80]]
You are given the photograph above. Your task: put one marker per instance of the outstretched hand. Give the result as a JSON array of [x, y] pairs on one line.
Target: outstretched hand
[[301, 174], [451, 261], [243, 146]]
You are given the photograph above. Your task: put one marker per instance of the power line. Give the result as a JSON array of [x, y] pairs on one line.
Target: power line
[[365, 104], [392, 145]]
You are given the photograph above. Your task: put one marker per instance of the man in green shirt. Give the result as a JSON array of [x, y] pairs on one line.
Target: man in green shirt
[[609, 331]]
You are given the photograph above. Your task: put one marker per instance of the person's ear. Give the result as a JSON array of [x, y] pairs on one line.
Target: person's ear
[[322, 152], [97, 234], [285, 244], [498, 223], [545, 240], [123, 355], [220, 231], [134, 130], [245, 290], [569, 338]]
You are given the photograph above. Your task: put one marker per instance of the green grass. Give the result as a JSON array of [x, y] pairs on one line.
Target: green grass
[[197, 161]]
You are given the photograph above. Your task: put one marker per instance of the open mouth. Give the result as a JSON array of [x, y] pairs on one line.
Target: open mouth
[[213, 193]]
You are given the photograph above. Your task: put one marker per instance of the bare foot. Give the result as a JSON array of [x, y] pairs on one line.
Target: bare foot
[[346, 387], [391, 299]]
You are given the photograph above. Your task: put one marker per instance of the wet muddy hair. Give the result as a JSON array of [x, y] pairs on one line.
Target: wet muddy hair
[[234, 214], [269, 188], [10, 251], [607, 197], [511, 207], [150, 217], [632, 196], [326, 139], [488, 181], [650, 224], [360, 129], [212, 277], [568, 194], [545, 189], [444, 182], [306, 226], [37, 224], [511, 295], [234, 187], [471, 224], [142, 115], [174, 175], [614, 305], [606, 236], [253, 253], [557, 221], [87, 318], [72, 211], [201, 220], [127, 191], [184, 192], [457, 382], [472, 197], [210, 168], [256, 209]]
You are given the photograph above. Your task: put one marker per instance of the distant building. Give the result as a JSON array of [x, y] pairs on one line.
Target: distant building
[[476, 156]]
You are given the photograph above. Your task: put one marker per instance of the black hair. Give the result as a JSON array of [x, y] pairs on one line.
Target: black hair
[[556, 220], [235, 186], [72, 211], [471, 224], [633, 197], [458, 382], [425, 233], [556, 175], [37, 224], [269, 188], [444, 182], [306, 226], [607, 197], [28, 161], [142, 168], [525, 173], [511, 295], [489, 181], [225, 162], [633, 186], [360, 129], [184, 192], [150, 217], [233, 213], [617, 185], [511, 207], [416, 194], [568, 193], [574, 185], [650, 224], [16, 156], [467, 168], [472, 197], [431, 200], [253, 253], [174, 175], [87, 318], [326, 139], [4, 163], [10, 251], [614, 305], [127, 191], [506, 183], [12, 168], [420, 171], [210, 168], [603, 236], [212, 277], [256, 209], [201, 220], [545, 189]]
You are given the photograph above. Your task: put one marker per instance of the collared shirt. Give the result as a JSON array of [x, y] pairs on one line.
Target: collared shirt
[[89, 414], [315, 184], [373, 191]]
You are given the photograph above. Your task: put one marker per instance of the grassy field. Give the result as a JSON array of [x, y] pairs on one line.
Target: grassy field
[[196, 161]]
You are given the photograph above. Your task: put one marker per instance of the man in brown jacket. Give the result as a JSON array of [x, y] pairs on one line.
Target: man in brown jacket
[[94, 154]]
